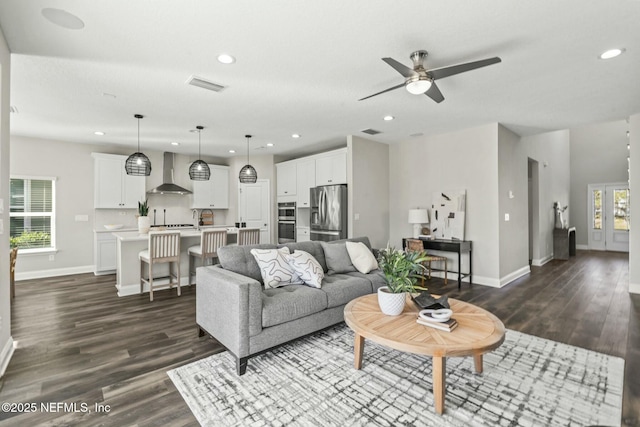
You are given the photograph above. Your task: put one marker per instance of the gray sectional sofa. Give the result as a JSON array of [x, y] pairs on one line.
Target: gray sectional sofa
[[233, 306]]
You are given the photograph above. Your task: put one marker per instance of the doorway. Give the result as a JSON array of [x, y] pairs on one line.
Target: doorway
[[253, 207], [534, 213], [608, 217]]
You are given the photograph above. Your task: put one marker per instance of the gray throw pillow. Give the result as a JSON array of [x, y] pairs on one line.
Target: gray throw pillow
[[337, 257]]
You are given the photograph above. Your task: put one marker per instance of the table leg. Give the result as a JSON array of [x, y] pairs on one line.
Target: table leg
[[358, 347], [439, 367], [477, 360], [459, 270]]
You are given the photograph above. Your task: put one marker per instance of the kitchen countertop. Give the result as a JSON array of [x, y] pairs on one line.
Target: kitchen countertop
[[135, 236]]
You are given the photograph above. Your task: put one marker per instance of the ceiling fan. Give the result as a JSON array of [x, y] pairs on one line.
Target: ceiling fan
[[422, 81]]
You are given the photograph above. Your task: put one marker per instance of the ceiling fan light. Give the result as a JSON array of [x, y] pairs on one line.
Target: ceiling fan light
[[418, 87]]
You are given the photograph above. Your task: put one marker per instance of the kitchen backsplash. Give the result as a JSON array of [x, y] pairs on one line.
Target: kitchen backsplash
[[175, 208]]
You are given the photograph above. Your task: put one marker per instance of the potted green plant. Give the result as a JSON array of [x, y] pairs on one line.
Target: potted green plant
[[401, 272], [144, 222]]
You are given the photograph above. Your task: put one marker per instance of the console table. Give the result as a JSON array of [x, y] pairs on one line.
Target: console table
[[457, 246]]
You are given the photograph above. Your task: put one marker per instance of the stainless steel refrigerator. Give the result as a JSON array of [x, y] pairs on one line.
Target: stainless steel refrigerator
[[329, 212]]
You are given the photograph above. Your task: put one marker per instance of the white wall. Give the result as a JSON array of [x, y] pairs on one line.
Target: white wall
[[598, 156], [6, 342], [552, 152], [73, 167], [634, 234], [513, 200], [368, 178], [467, 159]]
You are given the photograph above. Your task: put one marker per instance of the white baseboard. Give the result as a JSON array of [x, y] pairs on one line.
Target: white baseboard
[[634, 288], [134, 288], [582, 247], [541, 261], [5, 356], [40, 274], [504, 281]]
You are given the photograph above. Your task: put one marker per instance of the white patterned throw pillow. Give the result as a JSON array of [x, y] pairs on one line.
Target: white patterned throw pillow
[[361, 257], [307, 268], [274, 268]]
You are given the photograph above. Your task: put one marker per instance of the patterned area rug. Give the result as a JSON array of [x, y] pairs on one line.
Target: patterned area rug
[[528, 381]]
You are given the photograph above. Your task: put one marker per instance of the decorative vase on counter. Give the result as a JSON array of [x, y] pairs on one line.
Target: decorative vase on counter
[[391, 303], [144, 224]]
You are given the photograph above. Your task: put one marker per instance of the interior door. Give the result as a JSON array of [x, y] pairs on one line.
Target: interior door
[[254, 207], [617, 217]]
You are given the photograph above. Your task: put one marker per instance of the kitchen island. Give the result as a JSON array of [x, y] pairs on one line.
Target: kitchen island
[[130, 243]]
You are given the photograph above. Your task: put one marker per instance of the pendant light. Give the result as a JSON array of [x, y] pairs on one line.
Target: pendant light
[[248, 174], [138, 164], [199, 170]]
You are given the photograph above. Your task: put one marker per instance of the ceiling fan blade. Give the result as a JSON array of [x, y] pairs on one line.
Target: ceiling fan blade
[[386, 90], [401, 68], [441, 73], [434, 93]]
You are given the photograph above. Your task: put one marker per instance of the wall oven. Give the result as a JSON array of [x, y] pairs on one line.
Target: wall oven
[[286, 222]]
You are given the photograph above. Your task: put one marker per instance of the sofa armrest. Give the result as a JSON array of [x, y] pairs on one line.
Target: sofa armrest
[[229, 307]]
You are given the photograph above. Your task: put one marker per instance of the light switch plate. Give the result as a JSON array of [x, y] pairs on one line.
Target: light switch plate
[[1, 227], [1, 206], [82, 218], [506, 217]]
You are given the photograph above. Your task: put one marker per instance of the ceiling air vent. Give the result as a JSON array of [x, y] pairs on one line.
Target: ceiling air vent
[[371, 131], [205, 84]]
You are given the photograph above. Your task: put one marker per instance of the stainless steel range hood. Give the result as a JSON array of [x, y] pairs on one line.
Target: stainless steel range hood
[[168, 187]]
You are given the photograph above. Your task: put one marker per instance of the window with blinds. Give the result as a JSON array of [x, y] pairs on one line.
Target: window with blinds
[[32, 213]]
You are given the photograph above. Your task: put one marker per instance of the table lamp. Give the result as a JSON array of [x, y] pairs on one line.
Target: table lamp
[[417, 217]]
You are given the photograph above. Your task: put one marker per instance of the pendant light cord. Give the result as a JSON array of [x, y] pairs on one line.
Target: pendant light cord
[[248, 136]]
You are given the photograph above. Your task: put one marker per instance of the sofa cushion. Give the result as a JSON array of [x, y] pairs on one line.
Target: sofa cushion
[[275, 268], [313, 247], [306, 267], [239, 260], [337, 257], [288, 303], [342, 288], [361, 257], [375, 277]]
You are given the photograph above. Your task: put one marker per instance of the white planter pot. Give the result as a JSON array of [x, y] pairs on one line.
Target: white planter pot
[[391, 304], [144, 224]]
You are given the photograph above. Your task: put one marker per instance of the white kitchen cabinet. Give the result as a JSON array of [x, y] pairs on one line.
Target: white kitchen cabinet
[[305, 180], [214, 193], [104, 254], [113, 188], [286, 178], [332, 168], [303, 234]]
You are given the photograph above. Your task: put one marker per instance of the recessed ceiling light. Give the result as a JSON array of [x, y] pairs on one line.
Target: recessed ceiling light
[[611, 53], [387, 118], [226, 58], [175, 143], [98, 132], [62, 18], [295, 135], [232, 151], [270, 144]]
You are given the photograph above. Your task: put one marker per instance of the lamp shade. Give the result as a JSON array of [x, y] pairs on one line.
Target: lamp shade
[[418, 216]]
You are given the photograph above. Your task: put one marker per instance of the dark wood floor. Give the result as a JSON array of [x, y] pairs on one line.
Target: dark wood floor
[[78, 342]]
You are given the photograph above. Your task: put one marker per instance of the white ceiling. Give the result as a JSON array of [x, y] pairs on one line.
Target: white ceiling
[[302, 66]]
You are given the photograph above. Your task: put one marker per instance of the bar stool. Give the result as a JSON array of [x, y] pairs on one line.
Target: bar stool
[[210, 241], [248, 236], [164, 247], [416, 245]]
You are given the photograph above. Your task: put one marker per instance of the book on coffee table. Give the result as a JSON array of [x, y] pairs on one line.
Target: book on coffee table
[[447, 326]]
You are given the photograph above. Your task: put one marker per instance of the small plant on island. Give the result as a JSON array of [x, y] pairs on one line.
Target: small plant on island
[[143, 208]]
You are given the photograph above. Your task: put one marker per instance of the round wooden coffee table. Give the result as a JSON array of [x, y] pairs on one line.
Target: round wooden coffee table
[[478, 332]]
